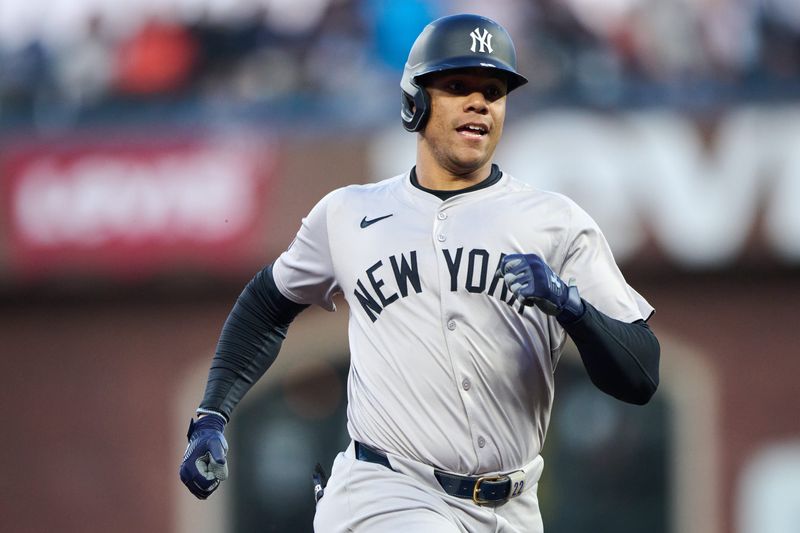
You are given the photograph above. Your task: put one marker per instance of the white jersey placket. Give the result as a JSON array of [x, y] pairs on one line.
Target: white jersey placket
[[447, 237]]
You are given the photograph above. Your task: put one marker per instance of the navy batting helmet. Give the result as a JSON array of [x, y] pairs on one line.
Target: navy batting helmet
[[454, 42]]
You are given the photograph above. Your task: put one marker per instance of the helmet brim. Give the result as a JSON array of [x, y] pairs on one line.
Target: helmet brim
[[493, 69]]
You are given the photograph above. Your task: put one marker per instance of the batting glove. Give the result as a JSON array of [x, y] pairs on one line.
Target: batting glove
[[534, 283], [204, 466]]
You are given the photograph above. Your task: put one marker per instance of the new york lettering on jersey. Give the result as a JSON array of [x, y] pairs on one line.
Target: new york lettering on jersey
[[372, 290]]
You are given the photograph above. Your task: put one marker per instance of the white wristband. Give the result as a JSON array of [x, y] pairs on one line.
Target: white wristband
[[201, 411]]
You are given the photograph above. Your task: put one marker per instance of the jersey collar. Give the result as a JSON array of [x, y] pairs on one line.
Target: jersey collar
[[494, 177]]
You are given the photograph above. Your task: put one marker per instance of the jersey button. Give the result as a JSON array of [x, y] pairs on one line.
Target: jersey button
[[441, 216], [441, 238], [481, 442], [451, 325], [466, 384]]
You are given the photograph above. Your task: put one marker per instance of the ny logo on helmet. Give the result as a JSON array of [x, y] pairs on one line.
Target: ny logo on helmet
[[485, 40]]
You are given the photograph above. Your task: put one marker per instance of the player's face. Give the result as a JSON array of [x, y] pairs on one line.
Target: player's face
[[468, 110]]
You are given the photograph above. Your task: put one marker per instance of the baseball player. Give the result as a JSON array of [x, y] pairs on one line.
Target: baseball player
[[462, 284]]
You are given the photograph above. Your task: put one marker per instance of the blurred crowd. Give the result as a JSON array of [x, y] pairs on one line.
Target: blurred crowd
[[314, 54]]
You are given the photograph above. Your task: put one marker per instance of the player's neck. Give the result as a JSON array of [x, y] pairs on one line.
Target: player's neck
[[437, 178]]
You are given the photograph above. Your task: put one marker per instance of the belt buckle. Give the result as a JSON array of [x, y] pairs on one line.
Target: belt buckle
[[476, 489]]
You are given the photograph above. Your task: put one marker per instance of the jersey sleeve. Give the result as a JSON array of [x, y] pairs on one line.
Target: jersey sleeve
[[590, 265], [304, 273]]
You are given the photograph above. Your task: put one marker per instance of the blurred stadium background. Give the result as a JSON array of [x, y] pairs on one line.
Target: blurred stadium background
[[155, 154]]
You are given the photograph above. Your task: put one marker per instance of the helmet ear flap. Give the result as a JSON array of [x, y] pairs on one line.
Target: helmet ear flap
[[415, 107]]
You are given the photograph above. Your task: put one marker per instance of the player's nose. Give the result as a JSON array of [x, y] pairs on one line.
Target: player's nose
[[476, 102]]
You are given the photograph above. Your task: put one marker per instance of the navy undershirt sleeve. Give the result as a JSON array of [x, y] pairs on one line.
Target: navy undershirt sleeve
[[249, 343], [621, 358]]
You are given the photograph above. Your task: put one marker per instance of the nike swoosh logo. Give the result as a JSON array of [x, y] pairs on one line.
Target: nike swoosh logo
[[365, 222]]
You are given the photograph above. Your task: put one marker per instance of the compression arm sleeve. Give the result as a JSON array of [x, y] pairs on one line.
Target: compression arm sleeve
[[621, 358], [250, 340]]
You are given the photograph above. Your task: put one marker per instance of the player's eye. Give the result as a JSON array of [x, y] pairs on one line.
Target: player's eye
[[456, 86], [493, 92]]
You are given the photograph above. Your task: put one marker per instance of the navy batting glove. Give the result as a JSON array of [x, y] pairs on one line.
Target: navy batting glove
[[204, 466], [534, 283]]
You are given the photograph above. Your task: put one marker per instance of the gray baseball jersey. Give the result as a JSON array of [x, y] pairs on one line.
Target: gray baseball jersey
[[447, 367]]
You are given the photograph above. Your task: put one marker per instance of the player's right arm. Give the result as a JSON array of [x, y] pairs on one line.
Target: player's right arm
[[250, 341]]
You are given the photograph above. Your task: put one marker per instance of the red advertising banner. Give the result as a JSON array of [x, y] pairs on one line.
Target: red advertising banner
[[134, 207]]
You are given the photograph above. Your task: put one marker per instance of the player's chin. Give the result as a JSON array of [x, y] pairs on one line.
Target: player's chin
[[468, 163], [475, 157]]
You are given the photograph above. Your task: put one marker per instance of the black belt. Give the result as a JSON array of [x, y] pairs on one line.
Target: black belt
[[480, 489]]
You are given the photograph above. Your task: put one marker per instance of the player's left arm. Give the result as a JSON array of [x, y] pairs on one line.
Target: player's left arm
[[621, 358]]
